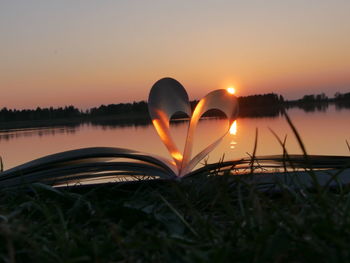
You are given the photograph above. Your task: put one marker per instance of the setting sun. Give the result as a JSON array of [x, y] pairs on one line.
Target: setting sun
[[231, 90]]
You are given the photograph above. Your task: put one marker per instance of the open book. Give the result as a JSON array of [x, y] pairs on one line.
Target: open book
[[106, 164], [168, 97]]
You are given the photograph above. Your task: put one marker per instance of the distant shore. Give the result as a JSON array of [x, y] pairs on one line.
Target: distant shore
[[136, 113], [76, 121]]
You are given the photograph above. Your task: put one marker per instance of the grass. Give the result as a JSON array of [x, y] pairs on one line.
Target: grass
[[203, 218]]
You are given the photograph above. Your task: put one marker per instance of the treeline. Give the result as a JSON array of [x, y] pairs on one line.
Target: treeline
[[310, 103], [39, 114], [342, 97], [265, 105], [118, 109], [320, 102], [316, 98], [342, 100], [72, 112], [255, 101]]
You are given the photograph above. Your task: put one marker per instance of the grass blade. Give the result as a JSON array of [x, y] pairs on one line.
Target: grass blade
[[297, 135], [253, 156], [286, 156], [177, 213], [306, 157]]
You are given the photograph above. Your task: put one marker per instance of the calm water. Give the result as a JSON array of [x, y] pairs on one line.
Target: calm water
[[322, 133]]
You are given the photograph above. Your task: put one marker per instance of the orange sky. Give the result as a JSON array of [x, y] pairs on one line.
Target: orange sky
[[88, 53]]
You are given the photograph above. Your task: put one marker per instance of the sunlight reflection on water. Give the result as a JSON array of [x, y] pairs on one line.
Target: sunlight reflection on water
[[322, 133]]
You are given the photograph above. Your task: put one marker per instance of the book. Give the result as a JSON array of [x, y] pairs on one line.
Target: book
[[167, 97]]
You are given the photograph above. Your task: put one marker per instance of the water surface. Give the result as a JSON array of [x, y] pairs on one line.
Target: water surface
[[323, 132]]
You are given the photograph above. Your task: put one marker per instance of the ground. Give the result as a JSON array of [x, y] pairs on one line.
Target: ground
[[203, 219]]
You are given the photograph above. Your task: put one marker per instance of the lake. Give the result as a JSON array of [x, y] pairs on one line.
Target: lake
[[323, 132]]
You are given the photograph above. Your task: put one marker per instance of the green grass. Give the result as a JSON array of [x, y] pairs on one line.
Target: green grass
[[202, 219]]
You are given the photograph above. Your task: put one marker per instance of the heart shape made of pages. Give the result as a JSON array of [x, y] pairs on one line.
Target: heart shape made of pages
[[168, 97]]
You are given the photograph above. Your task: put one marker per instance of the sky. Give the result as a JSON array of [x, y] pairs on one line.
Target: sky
[[87, 53]]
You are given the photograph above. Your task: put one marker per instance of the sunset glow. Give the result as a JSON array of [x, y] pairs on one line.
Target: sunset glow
[[113, 51], [231, 90]]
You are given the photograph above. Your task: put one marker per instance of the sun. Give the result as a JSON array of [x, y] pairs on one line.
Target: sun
[[231, 90]]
